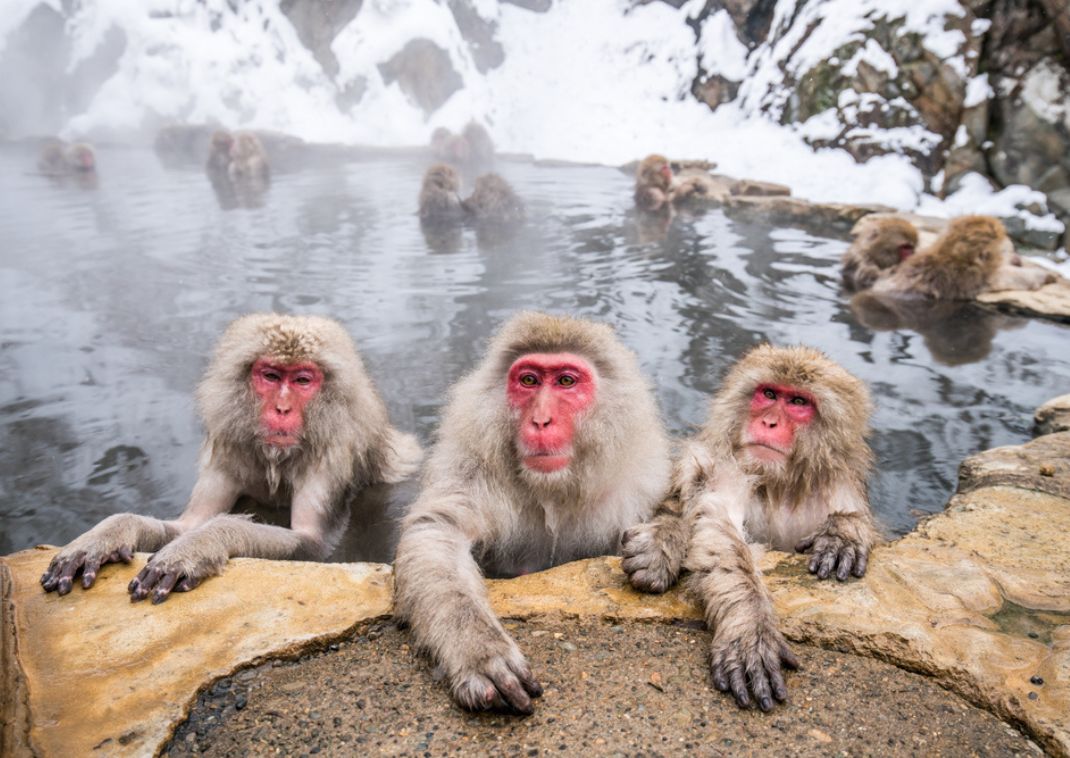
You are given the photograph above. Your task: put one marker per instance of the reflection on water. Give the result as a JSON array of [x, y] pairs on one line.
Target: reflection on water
[[111, 298]]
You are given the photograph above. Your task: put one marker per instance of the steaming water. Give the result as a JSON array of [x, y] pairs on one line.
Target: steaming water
[[111, 298]]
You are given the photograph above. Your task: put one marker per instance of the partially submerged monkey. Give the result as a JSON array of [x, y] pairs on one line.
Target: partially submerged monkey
[[546, 452], [782, 461], [292, 420], [973, 255]]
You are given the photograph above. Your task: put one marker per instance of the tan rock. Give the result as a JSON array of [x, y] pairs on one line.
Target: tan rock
[[1053, 416], [978, 597], [1050, 301], [754, 188]]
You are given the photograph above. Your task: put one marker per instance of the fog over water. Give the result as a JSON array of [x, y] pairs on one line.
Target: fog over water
[[112, 296]]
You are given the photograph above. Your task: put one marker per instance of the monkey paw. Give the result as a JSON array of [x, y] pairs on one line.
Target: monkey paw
[[752, 653], [497, 682], [113, 540], [830, 550], [69, 561], [647, 562], [178, 567]]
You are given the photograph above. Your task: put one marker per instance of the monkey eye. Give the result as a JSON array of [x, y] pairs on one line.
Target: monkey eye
[[529, 380], [303, 380], [799, 400], [566, 380], [272, 376], [769, 393]]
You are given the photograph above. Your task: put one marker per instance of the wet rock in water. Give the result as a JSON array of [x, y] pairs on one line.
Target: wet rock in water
[[1053, 416]]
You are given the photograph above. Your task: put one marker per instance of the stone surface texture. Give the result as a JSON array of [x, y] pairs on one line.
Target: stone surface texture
[[1053, 416], [978, 597]]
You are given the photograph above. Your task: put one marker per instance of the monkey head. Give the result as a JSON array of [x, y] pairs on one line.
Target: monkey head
[[888, 242], [80, 158], [791, 416], [549, 393], [654, 171], [443, 177]]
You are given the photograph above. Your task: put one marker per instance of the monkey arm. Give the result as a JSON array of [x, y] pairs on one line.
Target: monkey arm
[[203, 551], [654, 552], [118, 537], [439, 591], [748, 650], [844, 541], [1018, 277]]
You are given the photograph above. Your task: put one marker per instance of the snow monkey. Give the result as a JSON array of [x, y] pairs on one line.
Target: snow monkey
[[494, 201], [57, 158], [782, 460], [546, 452], [972, 255], [880, 244], [653, 183], [439, 198], [292, 420]]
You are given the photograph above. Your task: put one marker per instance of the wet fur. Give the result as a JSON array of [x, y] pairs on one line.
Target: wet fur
[[875, 249]]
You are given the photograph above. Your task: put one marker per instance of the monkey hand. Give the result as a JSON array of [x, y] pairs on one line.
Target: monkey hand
[[495, 677], [751, 651], [113, 540], [179, 566], [840, 545], [648, 562]]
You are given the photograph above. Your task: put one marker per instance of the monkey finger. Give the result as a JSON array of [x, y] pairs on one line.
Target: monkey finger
[[759, 684], [66, 576], [847, 560], [89, 573], [720, 678], [163, 587], [528, 680], [188, 583], [805, 544], [828, 561], [739, 687], [815, 561], [510, 689], [141, 584], [635, 562], [862, 562], [787, 657], [780, 689]]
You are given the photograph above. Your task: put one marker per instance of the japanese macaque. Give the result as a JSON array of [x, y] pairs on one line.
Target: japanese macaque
[[546, 452], [973, 255], [248, 161], [292, 420], [57, 158], [494, 201], [219, 153], [880, 244], [653, 182], [783, 461], [472, 150], [439, 198]]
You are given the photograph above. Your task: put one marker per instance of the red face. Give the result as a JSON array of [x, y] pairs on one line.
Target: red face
[[550, 392], [284, 390], [666, 172], [776, 414], [905, 251]]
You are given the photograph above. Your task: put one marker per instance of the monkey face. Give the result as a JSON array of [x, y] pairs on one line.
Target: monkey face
[[549, 393], [284, 390], [776, 414]]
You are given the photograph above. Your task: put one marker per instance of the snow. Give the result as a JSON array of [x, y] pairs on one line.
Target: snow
[[978, 90], [595, 81], [975, 195]]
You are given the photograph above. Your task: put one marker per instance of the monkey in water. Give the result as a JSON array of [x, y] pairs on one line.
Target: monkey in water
[[782, 461], [292, 420], [546, 452], [973, 255]]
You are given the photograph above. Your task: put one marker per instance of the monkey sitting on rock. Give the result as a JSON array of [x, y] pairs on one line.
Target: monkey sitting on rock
[[973, 255], [292, 421]]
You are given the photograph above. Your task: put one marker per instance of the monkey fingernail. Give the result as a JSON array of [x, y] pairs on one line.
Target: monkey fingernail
[[766, 704]]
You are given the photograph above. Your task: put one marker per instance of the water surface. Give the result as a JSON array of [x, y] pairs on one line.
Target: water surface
[[112, 297]]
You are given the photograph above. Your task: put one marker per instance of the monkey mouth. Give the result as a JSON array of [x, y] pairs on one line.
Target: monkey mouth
[[762, 452], [547, 462], [276, 438]]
